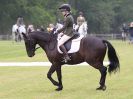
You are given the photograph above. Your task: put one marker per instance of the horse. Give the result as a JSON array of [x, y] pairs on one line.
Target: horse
[[92, 50], [17, 32]]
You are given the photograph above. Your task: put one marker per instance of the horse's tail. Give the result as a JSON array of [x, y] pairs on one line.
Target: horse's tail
[[112, 56]]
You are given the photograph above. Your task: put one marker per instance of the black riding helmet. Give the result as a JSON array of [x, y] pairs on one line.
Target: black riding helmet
[[66, 7]]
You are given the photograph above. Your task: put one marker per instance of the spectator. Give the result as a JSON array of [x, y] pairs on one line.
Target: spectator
[[20, 21], [80, 19], [124, 32], [131, 32], [81, 26], [42, 28], [30, 28], [50, 28], [18, 28]]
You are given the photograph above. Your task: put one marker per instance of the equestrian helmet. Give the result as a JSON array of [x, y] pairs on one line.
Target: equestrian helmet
[[65, 7]]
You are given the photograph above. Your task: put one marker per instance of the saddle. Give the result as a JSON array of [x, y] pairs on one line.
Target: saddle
[[73, 44], [69, 42]]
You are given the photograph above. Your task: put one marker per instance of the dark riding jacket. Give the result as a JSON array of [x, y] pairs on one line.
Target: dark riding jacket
[[67, 29]]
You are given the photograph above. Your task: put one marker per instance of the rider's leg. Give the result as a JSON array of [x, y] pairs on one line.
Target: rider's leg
[[63, 49]]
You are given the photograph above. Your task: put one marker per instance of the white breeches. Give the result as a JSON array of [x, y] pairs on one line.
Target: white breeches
[[63, 39]]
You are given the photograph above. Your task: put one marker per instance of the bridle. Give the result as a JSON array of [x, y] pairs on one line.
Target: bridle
[[37, 48], [29, 44]]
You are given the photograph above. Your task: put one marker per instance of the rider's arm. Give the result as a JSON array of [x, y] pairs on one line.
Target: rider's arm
[[66, 22]]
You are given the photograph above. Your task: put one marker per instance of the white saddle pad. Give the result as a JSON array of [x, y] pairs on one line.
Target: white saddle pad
[[74, 46]]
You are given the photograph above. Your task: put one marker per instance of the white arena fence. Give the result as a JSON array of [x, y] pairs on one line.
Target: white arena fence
[[103, 36], [40, 64], [6, 37], [108, 36]]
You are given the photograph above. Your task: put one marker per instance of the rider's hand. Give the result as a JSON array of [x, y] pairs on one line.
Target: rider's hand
[[56, 32]]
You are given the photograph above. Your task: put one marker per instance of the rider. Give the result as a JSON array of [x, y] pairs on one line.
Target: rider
[[16, 28], [67, 29]]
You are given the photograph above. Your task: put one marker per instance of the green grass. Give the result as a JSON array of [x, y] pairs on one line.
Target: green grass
[[12, 52], [79, 82]]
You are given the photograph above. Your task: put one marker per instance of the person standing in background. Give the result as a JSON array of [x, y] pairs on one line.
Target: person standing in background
[[81, 26], [80, 19], [131, 33], [124, 31]]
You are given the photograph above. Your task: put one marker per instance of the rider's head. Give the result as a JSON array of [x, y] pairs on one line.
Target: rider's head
[[65, 8]]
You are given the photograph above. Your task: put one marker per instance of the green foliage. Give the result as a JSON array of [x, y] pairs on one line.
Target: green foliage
[[100, 17], [103, 16]]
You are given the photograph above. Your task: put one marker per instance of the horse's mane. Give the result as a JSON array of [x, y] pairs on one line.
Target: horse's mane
[[45, 37], [39, 35]]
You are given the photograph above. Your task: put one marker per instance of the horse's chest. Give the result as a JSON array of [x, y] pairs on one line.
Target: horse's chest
[[53, 56]]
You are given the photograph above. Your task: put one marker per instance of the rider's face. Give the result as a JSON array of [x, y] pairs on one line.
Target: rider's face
[[63, 12]]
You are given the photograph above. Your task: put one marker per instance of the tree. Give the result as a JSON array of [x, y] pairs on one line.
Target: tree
[[103, 16]]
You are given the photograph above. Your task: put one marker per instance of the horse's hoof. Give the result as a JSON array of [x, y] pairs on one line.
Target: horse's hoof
[[101, 88], [59, 89], [56, 83]]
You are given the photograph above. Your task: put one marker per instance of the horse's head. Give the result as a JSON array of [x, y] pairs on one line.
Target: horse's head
[[30, 45]]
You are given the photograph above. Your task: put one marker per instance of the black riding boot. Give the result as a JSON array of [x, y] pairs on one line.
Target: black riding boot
[[66, 57]]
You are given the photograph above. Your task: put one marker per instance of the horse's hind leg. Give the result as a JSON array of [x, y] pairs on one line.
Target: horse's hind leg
[[103, 72], [102, 69]]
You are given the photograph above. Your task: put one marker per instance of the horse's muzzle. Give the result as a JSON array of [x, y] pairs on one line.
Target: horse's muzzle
[[31, 54]]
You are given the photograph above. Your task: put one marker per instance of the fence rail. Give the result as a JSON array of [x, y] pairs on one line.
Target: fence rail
[[103, 36], [108, 36], [5, 37]]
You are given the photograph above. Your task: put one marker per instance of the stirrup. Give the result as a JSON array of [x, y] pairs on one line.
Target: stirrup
[[66, 59]]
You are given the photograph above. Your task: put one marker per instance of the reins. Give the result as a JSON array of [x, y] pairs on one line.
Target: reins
[[37, 48], [52, 39]]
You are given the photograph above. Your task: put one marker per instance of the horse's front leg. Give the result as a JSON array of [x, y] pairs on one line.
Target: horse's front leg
[[49, 75], [59, 75]]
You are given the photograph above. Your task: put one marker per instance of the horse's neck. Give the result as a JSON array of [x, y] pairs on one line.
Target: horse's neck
[[48, 47]]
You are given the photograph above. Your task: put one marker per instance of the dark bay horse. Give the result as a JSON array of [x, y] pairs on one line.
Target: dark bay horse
[[92, 50]]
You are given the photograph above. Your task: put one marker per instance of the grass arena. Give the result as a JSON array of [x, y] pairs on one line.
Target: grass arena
[[20, 82]]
